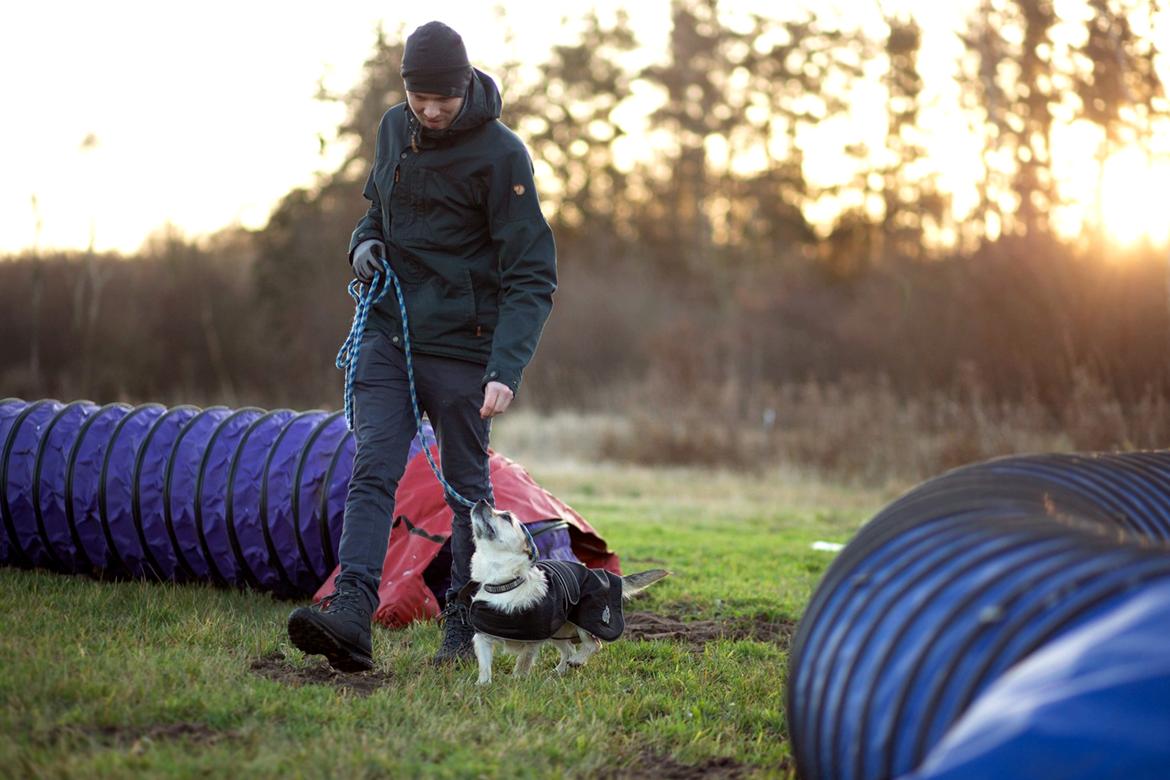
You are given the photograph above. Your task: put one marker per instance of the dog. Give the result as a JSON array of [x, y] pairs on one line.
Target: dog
[[519, 603]]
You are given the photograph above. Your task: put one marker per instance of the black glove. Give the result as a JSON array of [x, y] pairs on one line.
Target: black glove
[[367, 259]]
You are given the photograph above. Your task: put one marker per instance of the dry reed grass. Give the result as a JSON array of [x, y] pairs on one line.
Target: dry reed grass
[[858, 431]]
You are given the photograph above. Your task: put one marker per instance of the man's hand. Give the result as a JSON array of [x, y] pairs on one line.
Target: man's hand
[[496, 398], [367, 259]]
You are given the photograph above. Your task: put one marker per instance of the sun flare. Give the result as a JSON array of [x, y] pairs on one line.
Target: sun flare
[[1133, 198]]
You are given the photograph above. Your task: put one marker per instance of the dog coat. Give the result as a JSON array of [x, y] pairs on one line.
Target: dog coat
[[589, 598]]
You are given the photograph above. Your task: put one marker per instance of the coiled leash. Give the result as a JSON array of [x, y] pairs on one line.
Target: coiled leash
[[365, 298]]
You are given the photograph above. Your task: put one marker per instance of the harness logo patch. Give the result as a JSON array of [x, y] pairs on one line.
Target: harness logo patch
[[605, 615], [518, 189]]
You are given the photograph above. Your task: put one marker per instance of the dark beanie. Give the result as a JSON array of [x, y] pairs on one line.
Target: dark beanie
[[435, 61]]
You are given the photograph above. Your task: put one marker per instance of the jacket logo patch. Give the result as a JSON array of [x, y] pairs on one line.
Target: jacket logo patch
[[518, 189], [605, 616]]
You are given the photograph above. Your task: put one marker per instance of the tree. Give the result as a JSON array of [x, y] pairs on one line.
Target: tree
[[568, 119], [301, 271], [676, 218], [739, 95], [910, 196], [1115, 78], [1012, 83]]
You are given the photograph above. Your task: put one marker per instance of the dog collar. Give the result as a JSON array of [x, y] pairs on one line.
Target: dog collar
[[504, 587]]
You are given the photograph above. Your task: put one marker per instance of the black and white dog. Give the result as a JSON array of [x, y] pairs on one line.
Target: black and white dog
[[519, 603]]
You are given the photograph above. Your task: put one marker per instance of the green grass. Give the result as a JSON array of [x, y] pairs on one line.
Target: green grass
[[120, 679]]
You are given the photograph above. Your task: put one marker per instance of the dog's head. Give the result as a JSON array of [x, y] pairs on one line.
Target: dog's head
[[500, 532]]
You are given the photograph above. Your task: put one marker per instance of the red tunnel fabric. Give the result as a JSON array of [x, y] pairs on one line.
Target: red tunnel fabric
[[404, 595]]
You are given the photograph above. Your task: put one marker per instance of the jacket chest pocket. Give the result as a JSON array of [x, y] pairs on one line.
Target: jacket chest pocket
[[451, 209], [384, 172]]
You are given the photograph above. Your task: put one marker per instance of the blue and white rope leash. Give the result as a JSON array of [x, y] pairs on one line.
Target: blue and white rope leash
[[348, 354], [347, 358]]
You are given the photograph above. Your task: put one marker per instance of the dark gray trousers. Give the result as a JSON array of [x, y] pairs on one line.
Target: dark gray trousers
[[451, 394]]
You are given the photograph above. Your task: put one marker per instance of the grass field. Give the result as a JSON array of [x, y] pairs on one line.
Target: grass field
[[138, 679]]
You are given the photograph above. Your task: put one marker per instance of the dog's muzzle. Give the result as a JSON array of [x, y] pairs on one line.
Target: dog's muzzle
[[483, 530]]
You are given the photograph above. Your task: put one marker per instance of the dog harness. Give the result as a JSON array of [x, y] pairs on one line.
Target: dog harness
[[589, 598]]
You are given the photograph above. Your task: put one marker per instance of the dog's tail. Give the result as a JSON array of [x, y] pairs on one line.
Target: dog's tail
[[633, 584]]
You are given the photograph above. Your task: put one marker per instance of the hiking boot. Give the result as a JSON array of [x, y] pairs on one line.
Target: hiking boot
[[338, 627], [457, 634]]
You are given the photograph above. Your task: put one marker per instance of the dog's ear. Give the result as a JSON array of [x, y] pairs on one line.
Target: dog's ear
[[529, 541], [482, 511]]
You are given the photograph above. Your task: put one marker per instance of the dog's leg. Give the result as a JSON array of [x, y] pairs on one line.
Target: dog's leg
[[589, 645], [483, 654], [565, 648], [525, 658]]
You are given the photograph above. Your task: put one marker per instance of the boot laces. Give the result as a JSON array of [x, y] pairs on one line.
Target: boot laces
[[454, 609], [342, 600], [457, 630]]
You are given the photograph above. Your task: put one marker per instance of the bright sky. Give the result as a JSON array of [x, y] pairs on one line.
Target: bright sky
[[202, 115]]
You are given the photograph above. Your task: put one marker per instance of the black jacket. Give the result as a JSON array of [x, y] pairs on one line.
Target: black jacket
[[589, 598], [458, 211]]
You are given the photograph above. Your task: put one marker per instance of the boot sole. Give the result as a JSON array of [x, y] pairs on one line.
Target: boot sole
[[311, 638]]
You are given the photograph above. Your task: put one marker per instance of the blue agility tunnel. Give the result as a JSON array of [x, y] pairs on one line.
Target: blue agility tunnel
[[241, 497], [1007, 619]]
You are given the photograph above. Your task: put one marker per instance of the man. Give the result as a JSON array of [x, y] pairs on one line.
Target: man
[[454, 210]]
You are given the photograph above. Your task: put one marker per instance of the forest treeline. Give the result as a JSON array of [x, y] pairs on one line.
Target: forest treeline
[[691, 274]]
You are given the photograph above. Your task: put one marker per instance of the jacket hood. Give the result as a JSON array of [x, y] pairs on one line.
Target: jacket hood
[[482, 104]]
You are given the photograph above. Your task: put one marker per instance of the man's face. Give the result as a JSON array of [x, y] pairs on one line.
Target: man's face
[[436, 112]]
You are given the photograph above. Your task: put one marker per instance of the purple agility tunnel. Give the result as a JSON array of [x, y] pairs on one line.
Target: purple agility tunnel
[[1007, 619], [237, 497]]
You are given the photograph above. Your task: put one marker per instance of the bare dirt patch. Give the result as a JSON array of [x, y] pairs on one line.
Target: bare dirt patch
[[643, 626], [648, 626], [274, 666]]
